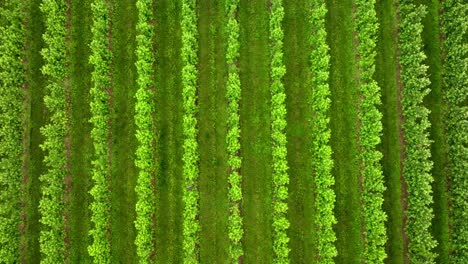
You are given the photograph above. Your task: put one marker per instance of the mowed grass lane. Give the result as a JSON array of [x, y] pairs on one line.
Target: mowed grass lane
[[434, 101], [124, 173], [255, 131], [80, 129], [169, 112], [212, 116], [343, 123], [38, 117], [298, 87], [386, 76]]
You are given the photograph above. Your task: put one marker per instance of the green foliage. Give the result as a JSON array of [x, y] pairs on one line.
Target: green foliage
[[278, 136], [144, 110], [232, 138], [12, 113], [417, 164], [370, 130], [191, 155], [51, 206], [455, 28], [322, 161], [100, 59]]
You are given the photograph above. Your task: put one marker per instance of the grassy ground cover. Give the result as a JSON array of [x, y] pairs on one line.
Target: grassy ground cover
[[36, 83], [169, 128], [214, 242], [124, 173], [344, 131], [386, 76], [298, 86], [81, 145], [255, 130]]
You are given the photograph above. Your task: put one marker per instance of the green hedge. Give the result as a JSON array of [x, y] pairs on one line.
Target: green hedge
[[233, 95], [455, 28], [370, 131], [278, 136], [12, 115], [101, 59], [144, 110], [324, 218], [51, 206], [191, 156], [417, 164]]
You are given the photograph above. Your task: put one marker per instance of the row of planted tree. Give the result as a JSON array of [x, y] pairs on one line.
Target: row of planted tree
[[12, 127], [51, 206], [233, 96], [455, 29], [101, 60], [417, 163], [370, 131]]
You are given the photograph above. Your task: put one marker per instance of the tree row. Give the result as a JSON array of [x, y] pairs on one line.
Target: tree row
[[100, 59], [370, 131], [417, 164], [324, 204], [51, 206], [455, 78], [191, 156], [233, 95], [278, 135], [145, 134], [12, 120]]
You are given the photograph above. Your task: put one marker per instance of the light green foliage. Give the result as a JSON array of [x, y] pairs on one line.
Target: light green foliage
[[455, 28], [144, 110], [51, 206], [322, 162], [278, 136], [417, 164], [12, 40], [100, 59], [191, 156], [370, 130], [232, 138]]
